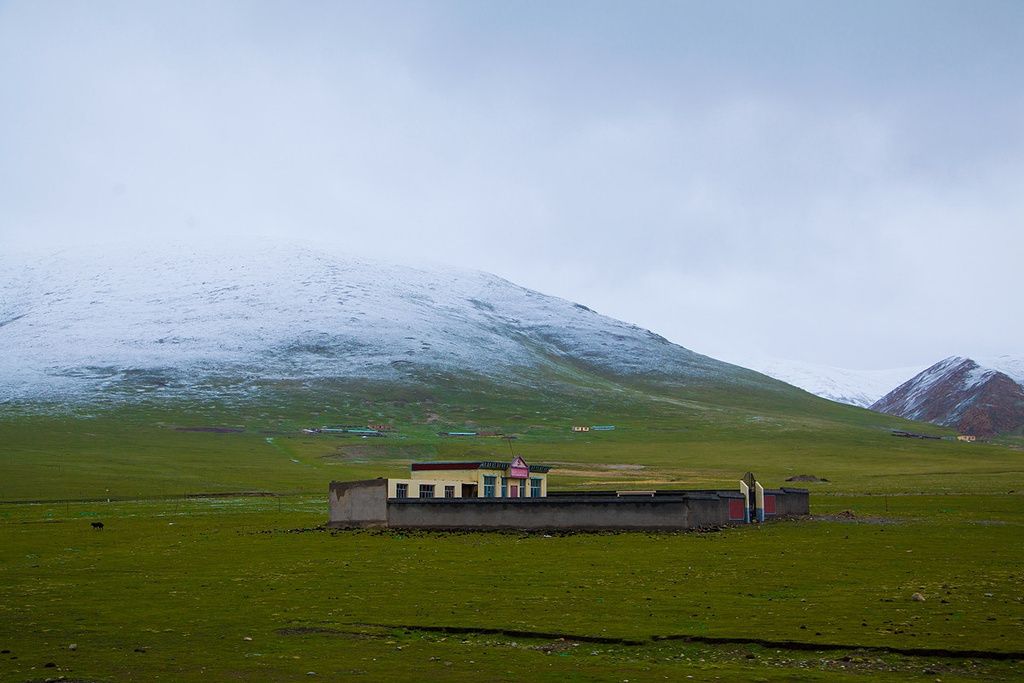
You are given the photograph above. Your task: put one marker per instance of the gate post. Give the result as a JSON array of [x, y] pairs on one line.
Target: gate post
[[745, 490], [760, 501]]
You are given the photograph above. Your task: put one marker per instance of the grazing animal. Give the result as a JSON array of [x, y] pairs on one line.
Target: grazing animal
[[97, 525]]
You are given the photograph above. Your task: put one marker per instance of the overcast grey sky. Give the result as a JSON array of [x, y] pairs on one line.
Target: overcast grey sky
[[839, 183]]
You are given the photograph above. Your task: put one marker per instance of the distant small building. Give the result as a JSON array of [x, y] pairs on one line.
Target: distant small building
[[965, 437], [914, 435], [603, 428], [358, 430], [580, 429]]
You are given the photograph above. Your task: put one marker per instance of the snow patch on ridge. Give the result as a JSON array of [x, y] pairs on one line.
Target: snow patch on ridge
[[854, 387], [1011, 366], [162, 321]]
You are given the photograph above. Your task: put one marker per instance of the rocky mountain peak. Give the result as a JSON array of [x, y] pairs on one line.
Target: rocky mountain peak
[[959, 392]]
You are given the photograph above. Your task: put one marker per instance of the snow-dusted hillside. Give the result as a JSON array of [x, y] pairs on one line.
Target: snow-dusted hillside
[[855, 387], [961, 392], [1011, 366], [77, 322]]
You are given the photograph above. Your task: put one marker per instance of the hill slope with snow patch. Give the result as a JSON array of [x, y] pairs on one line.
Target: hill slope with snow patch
[[78, 324]]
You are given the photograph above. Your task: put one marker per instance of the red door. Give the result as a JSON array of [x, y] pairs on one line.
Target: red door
[[515, 491]]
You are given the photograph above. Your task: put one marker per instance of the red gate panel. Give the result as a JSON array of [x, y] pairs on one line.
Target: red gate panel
[[736, 509], [769, 505]]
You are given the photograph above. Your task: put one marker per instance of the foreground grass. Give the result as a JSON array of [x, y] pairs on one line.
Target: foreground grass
[[175, 590], [181, 585]]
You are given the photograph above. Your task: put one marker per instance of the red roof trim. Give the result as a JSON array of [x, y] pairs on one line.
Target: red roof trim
[[421, 466]]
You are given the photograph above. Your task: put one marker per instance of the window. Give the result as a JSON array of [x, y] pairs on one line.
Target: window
[[535, 488], [489, 486], [504, 487], [426, 490], [449, 491], [401, 490]]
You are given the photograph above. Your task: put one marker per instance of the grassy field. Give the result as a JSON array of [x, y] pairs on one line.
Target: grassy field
[[141, 452], [184, 586], [175, 590]]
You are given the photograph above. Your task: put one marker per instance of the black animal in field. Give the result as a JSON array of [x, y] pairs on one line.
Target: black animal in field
[[97, 525]]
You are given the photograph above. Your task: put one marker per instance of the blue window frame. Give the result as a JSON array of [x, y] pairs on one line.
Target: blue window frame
[[534, 488], [489, 486], [504, 487]]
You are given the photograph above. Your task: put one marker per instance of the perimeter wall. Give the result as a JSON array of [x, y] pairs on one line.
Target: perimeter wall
[[365, 503]]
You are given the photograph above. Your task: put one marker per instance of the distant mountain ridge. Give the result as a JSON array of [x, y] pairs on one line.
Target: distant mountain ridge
[[853, 387], [975, 398]]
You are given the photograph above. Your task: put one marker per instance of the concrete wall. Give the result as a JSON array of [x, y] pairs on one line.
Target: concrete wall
[[683, 512], [366, 503], [791, 502], [359, 503]]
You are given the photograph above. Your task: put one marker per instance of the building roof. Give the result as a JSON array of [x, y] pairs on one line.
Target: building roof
[[471, 465]]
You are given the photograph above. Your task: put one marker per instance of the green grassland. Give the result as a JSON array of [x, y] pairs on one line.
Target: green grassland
[[141, 450], [184, 586]]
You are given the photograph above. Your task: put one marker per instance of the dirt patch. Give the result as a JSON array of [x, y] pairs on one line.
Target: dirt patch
[[808, 477], [365, 453], [790, 645], [851, 517], [510, 633], [595, 474], [319, 630], [234, 494], [598, 471], [560, 645], [600, 466]]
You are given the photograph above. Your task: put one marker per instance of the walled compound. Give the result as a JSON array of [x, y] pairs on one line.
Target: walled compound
[[495, 495]]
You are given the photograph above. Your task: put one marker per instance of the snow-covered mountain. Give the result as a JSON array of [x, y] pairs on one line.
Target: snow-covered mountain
[[976, 398], [77, 322], [855, 387]]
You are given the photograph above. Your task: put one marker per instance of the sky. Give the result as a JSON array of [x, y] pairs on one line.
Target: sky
[[839, 183]]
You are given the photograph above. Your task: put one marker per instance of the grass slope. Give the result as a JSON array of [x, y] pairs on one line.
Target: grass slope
[[708, 436]]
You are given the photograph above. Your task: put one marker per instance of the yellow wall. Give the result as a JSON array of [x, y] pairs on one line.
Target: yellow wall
[[464, 476], [414, 487], [456, 477]]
